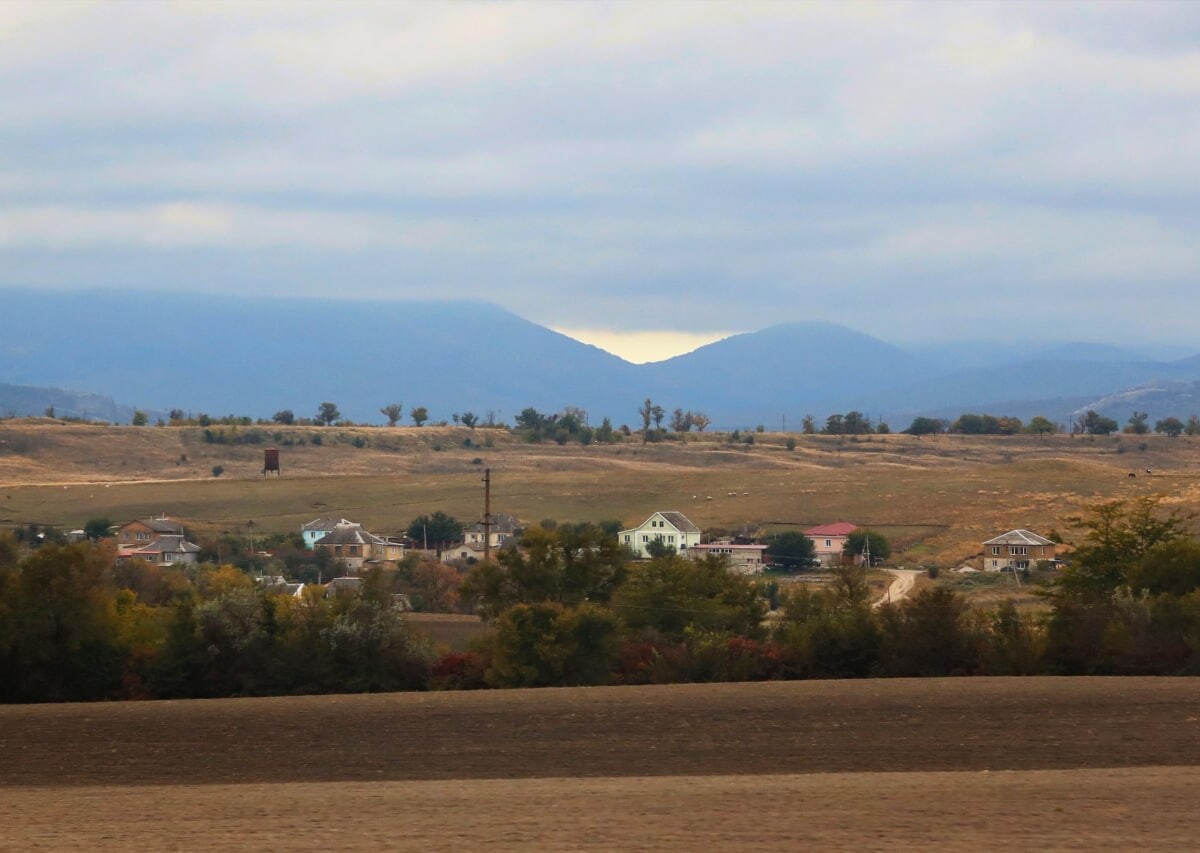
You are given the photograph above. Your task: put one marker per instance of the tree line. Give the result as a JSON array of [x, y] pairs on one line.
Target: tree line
[[569, 608]]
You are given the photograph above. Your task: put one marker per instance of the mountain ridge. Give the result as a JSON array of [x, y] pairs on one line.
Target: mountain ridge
[[257, 355]]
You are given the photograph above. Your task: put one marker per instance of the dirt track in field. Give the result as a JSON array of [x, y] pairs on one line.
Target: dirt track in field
[[959, 763]]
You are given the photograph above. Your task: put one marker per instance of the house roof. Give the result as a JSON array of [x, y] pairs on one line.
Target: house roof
[[170, 544], [159, 525], [501, 523], [838, 528], [324, 523], [680, 522], [349, 533], [1020, 536]]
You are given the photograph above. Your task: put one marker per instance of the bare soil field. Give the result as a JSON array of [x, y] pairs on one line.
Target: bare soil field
[[959, 764], [936, 497]]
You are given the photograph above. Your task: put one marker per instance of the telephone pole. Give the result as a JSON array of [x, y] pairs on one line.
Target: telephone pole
[[487, 515]]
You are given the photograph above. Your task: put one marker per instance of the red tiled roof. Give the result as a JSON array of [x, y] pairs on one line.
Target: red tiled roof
[[838, 528]]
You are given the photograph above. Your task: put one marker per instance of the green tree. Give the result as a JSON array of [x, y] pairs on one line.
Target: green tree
[[1193, 425], [96, 529], [570, 564], [700, 420], [791, 549], [856, 542], [327, 413], [285, 416], [64, 642], [809, 425], [926, 426], [1094, 423], [438, 530], [1171, 426], [647, 413], [545, 644], [1117, 536], [671, 595], [1039, 425], [469, 419], [1137, 424], [392, 411], [140, 418], [1169, 568], [419, 415]]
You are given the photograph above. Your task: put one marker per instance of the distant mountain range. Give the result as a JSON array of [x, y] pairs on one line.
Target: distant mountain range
[[256, 356]]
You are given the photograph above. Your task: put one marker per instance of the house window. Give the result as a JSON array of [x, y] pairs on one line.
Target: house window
[[353, 550], [828, 543], [1019, 550], [626, 537], [996, 550], [1022, 564], [645, 538], [671, 539]]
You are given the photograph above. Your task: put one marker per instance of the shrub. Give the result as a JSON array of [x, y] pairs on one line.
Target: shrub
[[791, 444], [217, 470]]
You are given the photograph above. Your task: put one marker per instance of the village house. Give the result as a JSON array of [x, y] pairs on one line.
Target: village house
[[318, 528], [672, 529], [829, 541], [160, 541], [135, 534], [503, 529], [744, 559], [359, 547], [1016, 549]]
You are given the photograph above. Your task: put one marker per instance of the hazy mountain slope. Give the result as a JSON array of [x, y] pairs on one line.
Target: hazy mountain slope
[[256, 356], [24, 401], [785, 370]]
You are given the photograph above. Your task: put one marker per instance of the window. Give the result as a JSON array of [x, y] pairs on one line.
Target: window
[[996, 550], [627, 537], [353, 550], [645, 538], [828, 543], [1022, 564], [671, 539], [1018, 550]]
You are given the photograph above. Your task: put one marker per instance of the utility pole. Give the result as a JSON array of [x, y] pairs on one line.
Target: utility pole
[[487, 514]]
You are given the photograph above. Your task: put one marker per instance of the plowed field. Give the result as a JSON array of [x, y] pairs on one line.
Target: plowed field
[[961, 764]]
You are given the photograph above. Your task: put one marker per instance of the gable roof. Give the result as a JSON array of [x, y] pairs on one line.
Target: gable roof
[[838, 528], [1021, 536], [349, 533], [501, 523], [161, 524], [680, 522], [327, 522], [169, 544]]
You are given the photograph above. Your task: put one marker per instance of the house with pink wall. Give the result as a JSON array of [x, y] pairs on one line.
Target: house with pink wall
[[829, 540]]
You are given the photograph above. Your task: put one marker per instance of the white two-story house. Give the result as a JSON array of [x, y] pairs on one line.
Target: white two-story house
[[673, 529]]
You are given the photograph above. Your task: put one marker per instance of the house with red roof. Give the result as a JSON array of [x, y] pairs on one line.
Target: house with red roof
[[829, 540]]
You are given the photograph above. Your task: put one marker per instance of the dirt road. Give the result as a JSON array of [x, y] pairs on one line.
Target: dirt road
[[900, 587]]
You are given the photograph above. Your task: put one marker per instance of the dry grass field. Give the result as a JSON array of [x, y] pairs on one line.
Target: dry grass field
[[963, 764], [936, 497]]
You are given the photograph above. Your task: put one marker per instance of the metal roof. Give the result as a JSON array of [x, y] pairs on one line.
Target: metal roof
[[1020, 536]]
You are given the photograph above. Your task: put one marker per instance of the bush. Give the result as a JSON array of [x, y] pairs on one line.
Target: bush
[[217, 470], [933, 572], [791, 444]]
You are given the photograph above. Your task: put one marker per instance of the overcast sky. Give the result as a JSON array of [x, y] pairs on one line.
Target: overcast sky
[[924, 171]]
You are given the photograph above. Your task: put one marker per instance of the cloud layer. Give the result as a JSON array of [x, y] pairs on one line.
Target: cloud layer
[[924, 170]]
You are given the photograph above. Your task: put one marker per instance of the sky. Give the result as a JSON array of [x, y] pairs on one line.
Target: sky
[[644, 176]]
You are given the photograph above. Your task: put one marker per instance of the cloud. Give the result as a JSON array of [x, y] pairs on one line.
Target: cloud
[[718, 165]]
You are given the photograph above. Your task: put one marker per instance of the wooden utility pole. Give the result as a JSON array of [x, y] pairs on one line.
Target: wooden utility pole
[[487, 515]]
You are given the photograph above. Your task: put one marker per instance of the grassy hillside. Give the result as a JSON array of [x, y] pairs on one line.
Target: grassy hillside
[[937, 497]]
